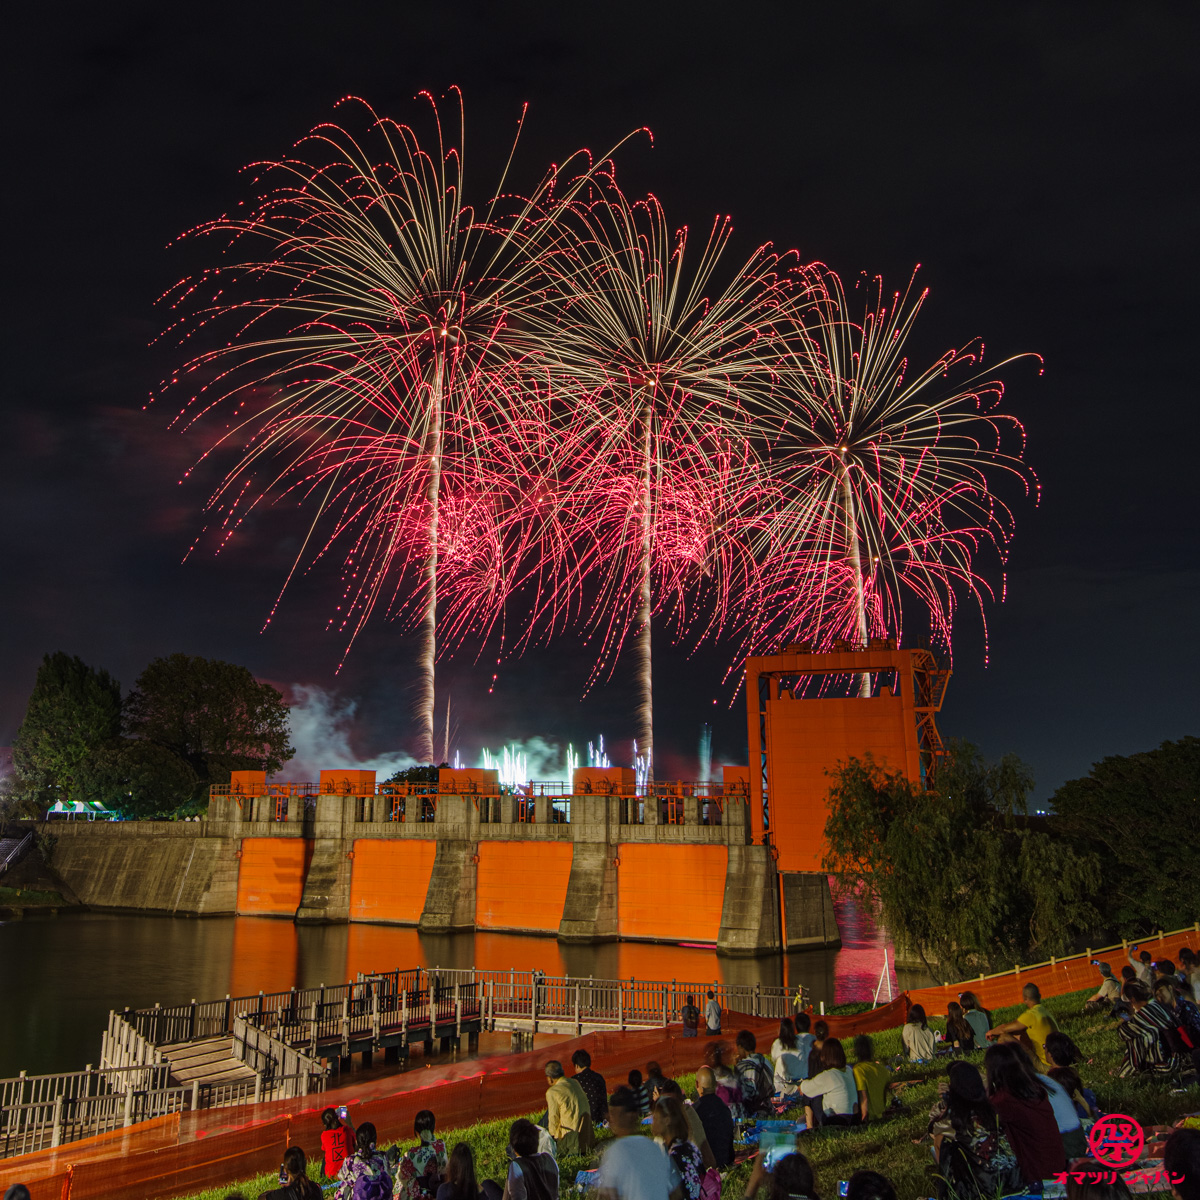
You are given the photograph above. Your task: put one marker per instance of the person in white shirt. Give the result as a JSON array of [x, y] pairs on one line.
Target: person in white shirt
[[1142, 964], [834, 1086], [919, 1040], [789, 1053], [633, 1167]]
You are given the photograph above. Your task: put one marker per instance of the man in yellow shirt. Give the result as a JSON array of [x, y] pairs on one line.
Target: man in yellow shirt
[[1035, 1024]]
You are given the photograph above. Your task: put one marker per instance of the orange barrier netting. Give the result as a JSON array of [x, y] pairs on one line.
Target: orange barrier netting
[[216, 1147]]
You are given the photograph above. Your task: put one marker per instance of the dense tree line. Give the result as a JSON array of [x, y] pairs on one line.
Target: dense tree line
[[965, 876], [187, 723]]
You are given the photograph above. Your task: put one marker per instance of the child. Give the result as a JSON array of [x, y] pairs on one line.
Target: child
[[641, 1093]]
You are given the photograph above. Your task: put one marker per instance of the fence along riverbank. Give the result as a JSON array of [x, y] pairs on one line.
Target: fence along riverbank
[[207, 1151], [284, 1041]]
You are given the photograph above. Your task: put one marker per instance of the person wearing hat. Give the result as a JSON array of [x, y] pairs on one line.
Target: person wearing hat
[[1107, 994]]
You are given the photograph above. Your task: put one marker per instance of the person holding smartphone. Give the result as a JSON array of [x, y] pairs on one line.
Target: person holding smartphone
[[788, 1177], [337, 1139]]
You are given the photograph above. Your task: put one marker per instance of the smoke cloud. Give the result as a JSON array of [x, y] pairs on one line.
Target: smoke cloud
[[322, 732]]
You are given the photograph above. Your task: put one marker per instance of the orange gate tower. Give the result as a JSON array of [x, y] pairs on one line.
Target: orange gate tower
[[795, 740]]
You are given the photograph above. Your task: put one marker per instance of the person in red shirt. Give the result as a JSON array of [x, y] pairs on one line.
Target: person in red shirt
[[337, 1141], [1023, 1106]]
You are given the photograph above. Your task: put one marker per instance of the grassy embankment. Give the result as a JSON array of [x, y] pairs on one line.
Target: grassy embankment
[[28, 898], [887, 1147]]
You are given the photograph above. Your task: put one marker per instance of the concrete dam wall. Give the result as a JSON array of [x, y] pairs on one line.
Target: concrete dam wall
[[597, 870]]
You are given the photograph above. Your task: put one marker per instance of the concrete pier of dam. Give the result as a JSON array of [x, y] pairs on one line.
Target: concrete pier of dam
[[588, 862]]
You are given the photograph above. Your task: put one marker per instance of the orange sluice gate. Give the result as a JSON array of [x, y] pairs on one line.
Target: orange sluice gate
[[389, 879], [673, 893], [522, 885], [806, 739], [271, 875]]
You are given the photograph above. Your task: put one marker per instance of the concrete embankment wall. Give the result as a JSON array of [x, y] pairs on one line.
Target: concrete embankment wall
[[150, 866], [588, 880]]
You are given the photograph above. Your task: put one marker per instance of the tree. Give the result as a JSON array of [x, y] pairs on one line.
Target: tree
[[1139, 813], [214, 715], [142, 781], [73, 711], [960, 874]]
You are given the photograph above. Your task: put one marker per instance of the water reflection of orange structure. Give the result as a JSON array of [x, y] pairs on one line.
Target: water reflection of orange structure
[[265, 957]]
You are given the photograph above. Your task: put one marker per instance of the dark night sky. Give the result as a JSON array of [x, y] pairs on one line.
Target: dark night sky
[[1037, 159]]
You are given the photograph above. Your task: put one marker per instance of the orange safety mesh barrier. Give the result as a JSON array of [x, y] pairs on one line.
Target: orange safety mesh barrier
[[999, 991], [187, 1167], [692, 876]]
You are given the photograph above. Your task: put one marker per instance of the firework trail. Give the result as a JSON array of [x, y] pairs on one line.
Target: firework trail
[[649, 377], [375, 348], [883, 480]]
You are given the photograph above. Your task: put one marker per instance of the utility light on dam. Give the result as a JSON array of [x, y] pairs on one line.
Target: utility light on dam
[[586, 860]]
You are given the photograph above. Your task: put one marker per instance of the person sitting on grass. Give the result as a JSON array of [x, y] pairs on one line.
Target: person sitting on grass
[[632, 1167], [420, 1171], [834, 1086], [641, 1093], [978, 1017], [1110, 1186], [919, 1040], [1181, 1160], [1142, 963], [654, 1076], [461, 1181], [959, 1033], [1146, 1050], [1023, 1105], [820, 1037], [1063, 1055], [756, 1080], [1164, 968], [869, 1185], [593, 1086], [366, 1171], [337, 1141], [1034, 1025], [871, 1079], [1070, 1124], [1106, 995], [1184, 1037], [715, 1117], [669, 1127], [294, 1181], [532, 1174], [791, 1064], [791, 1178], [969, 1143], [695, 1125]]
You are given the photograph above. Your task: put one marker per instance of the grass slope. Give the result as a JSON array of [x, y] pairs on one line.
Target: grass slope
[[886, 1147]]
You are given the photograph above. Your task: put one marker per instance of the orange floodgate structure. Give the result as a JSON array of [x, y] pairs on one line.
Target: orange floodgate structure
[[734, 863], [795, 740]]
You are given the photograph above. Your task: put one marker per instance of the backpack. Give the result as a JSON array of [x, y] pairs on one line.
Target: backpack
[[691, 1016], [710, 1185], [756, 1082]]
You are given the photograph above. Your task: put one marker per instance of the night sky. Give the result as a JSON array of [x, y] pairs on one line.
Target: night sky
[[1038, 160]]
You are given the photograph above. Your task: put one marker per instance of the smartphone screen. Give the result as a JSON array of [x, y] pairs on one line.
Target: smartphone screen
[[776, 1144], [843, 1187], [342, 1112]]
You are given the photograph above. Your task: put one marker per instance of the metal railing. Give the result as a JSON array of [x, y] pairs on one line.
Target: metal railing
[[16, 853], [46, 1123]]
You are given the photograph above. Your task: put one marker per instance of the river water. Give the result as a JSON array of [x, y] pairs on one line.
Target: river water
[[60, 976]]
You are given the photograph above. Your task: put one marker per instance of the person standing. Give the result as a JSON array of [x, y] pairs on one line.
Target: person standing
[[690, 1016], [715, 1116], [633, 1167], [712, 1016], [594, 1087], [568, 1116]]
